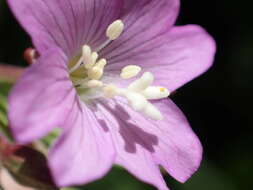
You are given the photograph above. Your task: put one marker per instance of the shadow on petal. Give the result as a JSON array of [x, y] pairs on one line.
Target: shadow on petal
[[131, 133]]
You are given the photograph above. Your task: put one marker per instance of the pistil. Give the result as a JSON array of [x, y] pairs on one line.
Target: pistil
[[140, 91]]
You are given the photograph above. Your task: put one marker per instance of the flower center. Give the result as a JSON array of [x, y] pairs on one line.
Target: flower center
[[87, 74]]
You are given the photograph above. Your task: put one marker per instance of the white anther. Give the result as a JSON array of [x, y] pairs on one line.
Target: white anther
[[110, 91], [94, 57], [86, 53], [115, 29], [155, 92], [95, 73], [141, 84], [93, 60], [152, 112], [130, 71], [85, 58], [94, 84], [137, 101], [101, 63]]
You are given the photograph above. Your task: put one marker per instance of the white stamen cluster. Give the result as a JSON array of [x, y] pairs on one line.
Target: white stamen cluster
[[138, 93]]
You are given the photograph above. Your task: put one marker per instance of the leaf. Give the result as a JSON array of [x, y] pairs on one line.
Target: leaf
[[5, 87], [51, 137], [4, 91]]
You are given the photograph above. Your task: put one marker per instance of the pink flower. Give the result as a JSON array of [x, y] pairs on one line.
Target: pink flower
[[88, 82]]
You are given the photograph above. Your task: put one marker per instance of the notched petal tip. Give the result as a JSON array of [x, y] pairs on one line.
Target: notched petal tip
[[195, 165]]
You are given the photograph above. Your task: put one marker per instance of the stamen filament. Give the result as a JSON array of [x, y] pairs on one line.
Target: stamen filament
[[86, 57], [77, 65], [113, 31], [107, 42]]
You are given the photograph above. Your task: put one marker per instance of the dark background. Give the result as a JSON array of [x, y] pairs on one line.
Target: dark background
[[218, 104]]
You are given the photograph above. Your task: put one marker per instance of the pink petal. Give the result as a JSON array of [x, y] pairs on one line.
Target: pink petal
[[67, 24], [144, 20], [143, 144], [84, 152], [174, 57], [41, 98], [133, 153], [180, 151]]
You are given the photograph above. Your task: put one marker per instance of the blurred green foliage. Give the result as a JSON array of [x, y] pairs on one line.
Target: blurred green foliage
[[4, 89]]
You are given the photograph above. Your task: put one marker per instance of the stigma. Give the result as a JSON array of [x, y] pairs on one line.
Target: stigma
[[87, 75], [140, 91]]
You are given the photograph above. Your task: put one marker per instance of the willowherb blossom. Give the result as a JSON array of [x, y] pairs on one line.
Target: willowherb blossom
[[103, 76]]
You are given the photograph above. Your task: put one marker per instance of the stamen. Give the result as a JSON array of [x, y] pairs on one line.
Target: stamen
[[141, 84], [155, 92], [136, 101], [93, 59], [101, 63], [86, 57], [137, 93], [94, 84], [95, 73], [152, 112], [130, 71], [76, 66], [115, 29], [86, 53]]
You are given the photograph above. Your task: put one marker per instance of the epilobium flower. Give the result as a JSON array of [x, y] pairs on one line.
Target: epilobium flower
[[103, 76]]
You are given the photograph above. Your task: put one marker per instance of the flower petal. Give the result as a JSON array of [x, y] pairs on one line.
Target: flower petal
[[144, 20], [67, 24], [133, 153], [180, 151], [84, 152], [174, 57], [142, 144], [41, 98]]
